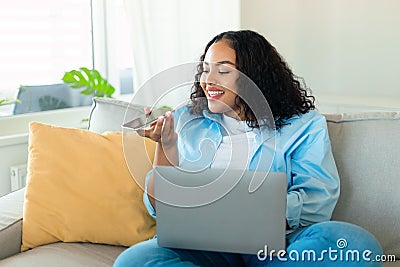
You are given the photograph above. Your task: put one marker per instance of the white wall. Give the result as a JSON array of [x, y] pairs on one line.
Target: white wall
[[13, 151], [344, 49]]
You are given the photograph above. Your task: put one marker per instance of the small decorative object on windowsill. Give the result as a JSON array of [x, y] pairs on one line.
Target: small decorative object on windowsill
[[92, 83]]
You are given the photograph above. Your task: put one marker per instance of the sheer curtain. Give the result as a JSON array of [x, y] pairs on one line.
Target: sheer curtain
[[168, 33]]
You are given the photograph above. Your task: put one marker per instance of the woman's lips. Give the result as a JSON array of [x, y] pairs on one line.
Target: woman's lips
[[214, 94]]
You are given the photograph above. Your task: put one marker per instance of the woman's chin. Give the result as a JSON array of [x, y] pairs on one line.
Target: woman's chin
[[215, 109]]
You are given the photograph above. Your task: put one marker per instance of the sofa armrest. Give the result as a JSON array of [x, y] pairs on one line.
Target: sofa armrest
[[11, 206]]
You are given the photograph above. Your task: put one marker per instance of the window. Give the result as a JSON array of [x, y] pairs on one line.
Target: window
[[40, 40], [113, 44]]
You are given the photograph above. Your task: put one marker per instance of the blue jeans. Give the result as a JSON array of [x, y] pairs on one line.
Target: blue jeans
[[322, 244]]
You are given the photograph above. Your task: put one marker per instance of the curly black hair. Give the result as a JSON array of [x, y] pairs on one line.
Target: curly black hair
[[287, 94]]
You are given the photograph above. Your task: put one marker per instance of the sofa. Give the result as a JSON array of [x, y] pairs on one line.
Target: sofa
[[366, 149]]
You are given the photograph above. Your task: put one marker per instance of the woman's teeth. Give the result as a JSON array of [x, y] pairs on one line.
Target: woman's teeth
[[214, 93]]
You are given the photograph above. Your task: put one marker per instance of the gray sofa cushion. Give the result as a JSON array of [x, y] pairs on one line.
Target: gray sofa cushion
[[11, 206], [66, 254], [107, 114], [366, 147]]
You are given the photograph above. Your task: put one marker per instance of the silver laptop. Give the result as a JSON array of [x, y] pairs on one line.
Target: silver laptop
[[214, 210]]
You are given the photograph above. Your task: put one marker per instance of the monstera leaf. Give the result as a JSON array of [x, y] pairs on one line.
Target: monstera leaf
[[91, 80]]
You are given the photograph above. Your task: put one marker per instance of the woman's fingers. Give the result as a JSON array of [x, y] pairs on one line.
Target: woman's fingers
[[158, 128], [168, 137], [162, 130], [147, 110], [154, 131], [142, 132], [171, 125], [146, 133], [167, 125]]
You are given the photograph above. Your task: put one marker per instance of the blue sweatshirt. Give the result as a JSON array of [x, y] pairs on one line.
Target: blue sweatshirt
[[301, 149]]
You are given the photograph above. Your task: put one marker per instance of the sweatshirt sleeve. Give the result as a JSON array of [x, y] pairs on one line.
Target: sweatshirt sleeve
[[314, 185], [146, 199]]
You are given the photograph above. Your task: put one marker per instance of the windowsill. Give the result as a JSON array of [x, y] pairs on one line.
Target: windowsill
[[69, 117]]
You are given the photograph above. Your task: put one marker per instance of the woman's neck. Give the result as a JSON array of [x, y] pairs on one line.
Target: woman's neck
[[237, 115]]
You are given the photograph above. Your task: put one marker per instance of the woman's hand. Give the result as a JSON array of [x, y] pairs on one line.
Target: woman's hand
[[162, 131], [166, 154]]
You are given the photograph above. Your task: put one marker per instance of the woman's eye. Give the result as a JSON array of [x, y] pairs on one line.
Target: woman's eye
[[205, 71], [223, 72]]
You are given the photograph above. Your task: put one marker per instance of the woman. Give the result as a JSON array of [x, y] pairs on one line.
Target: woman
[[221, 106]]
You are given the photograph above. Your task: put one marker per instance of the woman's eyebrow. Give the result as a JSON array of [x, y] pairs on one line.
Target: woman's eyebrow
[[221, 62]]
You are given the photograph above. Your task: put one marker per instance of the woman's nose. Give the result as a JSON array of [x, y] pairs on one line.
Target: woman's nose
[[211, 77]]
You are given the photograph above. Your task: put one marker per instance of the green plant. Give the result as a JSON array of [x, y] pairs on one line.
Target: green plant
[[8, 101], [91, 80], [166, 107]]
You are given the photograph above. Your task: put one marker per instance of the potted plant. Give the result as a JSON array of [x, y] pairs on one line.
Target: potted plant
[[91, 81]]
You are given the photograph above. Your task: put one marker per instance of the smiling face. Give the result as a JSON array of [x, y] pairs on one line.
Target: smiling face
[[219, 77]]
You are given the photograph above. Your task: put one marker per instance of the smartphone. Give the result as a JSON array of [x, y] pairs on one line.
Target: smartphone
[[145, 120]]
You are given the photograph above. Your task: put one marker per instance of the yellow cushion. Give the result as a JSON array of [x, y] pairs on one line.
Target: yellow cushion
[[79, 188]]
